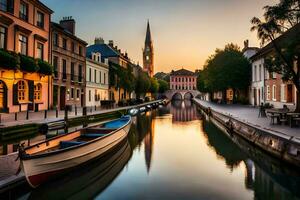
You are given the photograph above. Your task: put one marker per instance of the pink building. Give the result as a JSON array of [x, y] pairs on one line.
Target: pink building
[[183, 80]]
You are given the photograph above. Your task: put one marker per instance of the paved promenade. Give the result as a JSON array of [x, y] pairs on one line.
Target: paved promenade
[[249, 114], [38, 117]]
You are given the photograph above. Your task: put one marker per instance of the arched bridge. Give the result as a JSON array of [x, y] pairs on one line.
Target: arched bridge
[[181, 94]]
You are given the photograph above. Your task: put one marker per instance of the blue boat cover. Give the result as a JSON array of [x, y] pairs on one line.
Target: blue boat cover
[[66, 144], [91, 135], [117, 123]]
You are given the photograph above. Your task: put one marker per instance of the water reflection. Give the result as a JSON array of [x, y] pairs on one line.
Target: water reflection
[[160, 162], [183, 111]]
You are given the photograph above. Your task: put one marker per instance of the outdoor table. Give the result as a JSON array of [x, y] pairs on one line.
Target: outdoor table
[[282, 114], [290, 116]]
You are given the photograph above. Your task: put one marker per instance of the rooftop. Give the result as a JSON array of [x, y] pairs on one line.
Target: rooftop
[[182, 72]]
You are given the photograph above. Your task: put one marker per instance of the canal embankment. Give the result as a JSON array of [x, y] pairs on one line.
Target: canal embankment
[[20, 128], [283, 143]]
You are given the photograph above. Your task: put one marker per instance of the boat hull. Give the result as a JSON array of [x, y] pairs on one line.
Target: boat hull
[[39, 170]]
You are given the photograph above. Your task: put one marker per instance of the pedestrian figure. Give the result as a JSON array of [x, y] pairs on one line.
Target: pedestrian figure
[[262, 112]]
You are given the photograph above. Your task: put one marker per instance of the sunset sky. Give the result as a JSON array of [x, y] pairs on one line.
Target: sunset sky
[[184, 32]]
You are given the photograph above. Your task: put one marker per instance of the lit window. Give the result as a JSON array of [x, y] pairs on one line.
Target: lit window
[[274, 93], [40, 51], [38, 91], [21, 91], [23, 44]]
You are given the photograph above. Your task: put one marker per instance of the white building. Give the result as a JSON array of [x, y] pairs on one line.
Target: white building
[[97, 76], [256, 90]]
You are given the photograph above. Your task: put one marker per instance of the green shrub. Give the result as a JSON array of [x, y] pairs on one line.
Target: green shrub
[[28, 64], [9, 60], [45, 67]]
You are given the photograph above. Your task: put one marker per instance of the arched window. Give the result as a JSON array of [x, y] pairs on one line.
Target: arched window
[[22, 91], [38, 92]]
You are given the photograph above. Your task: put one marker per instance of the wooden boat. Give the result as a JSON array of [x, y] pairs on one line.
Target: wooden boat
[[55, 155], [87, 181]]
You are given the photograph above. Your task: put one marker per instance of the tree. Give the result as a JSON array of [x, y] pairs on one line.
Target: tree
[[201, 86], [227, 68], [163, 86], [154, 85], [282, 18], [142, 84]]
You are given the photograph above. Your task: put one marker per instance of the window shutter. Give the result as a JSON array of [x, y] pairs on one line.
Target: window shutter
[[15, 94], [31, 90]]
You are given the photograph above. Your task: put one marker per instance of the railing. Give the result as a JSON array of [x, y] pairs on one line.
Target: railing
[[68, 77]]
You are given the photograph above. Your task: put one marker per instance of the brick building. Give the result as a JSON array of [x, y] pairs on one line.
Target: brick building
[[183, 80], [24, 34], [69, 62]]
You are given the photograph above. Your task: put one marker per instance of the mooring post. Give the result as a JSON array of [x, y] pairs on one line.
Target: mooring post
[[56, 112], [16, 116], [84, 111], [66, 114], [27, 114], [75, 110], [45, 115], [95, 108]]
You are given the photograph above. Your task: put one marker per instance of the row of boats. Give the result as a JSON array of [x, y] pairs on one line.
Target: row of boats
[[53, 156]]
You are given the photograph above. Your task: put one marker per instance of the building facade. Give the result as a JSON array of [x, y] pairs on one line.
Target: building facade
[[96, 80], [148, 53], [24, 33], [268, 87], [116, 59], [68, 59], [183, 80]]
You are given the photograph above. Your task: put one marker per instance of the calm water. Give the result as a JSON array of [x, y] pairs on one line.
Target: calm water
[[173, 153]]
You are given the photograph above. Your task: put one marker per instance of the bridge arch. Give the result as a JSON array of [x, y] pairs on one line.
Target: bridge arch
[[177, 96], [188, 96]]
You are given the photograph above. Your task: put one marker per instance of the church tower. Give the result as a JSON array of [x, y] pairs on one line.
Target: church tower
[[148, 60]]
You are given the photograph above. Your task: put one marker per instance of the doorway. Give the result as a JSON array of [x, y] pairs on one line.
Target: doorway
[[62, 98]]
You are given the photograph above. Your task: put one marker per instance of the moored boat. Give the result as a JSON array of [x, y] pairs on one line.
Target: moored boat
[[45, 159]]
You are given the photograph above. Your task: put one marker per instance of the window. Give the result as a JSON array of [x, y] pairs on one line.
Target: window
[[72, 93], [64, 65], [38, 92], [90, 96], [55, 65], [23, 43], [254, 73], [90, 74], [79, 73], [80, 50], [40, 19], [78, 94], [7, 5], [73, 47], [274, 93], [283, 93], [104, 78], [72, 71], [2, 37], [268, 93], [21, 91], [55, 40], [95, 76], [65, 43], [273, 75], [100, 77], [23, 14], [40, 51], [259, 72]]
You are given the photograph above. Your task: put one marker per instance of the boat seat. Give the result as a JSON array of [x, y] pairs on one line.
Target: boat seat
[[67, 144], [93, 135]]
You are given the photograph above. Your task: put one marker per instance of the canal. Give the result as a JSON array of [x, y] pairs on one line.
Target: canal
[[176, 153]]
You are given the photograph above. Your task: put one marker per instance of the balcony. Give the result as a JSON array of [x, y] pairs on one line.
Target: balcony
[[66, 77]]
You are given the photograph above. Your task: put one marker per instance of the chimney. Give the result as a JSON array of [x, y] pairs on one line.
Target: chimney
[[68, 23], [99, 40], [111, 43]]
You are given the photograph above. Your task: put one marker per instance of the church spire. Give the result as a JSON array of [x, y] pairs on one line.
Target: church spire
[[148, 39]]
